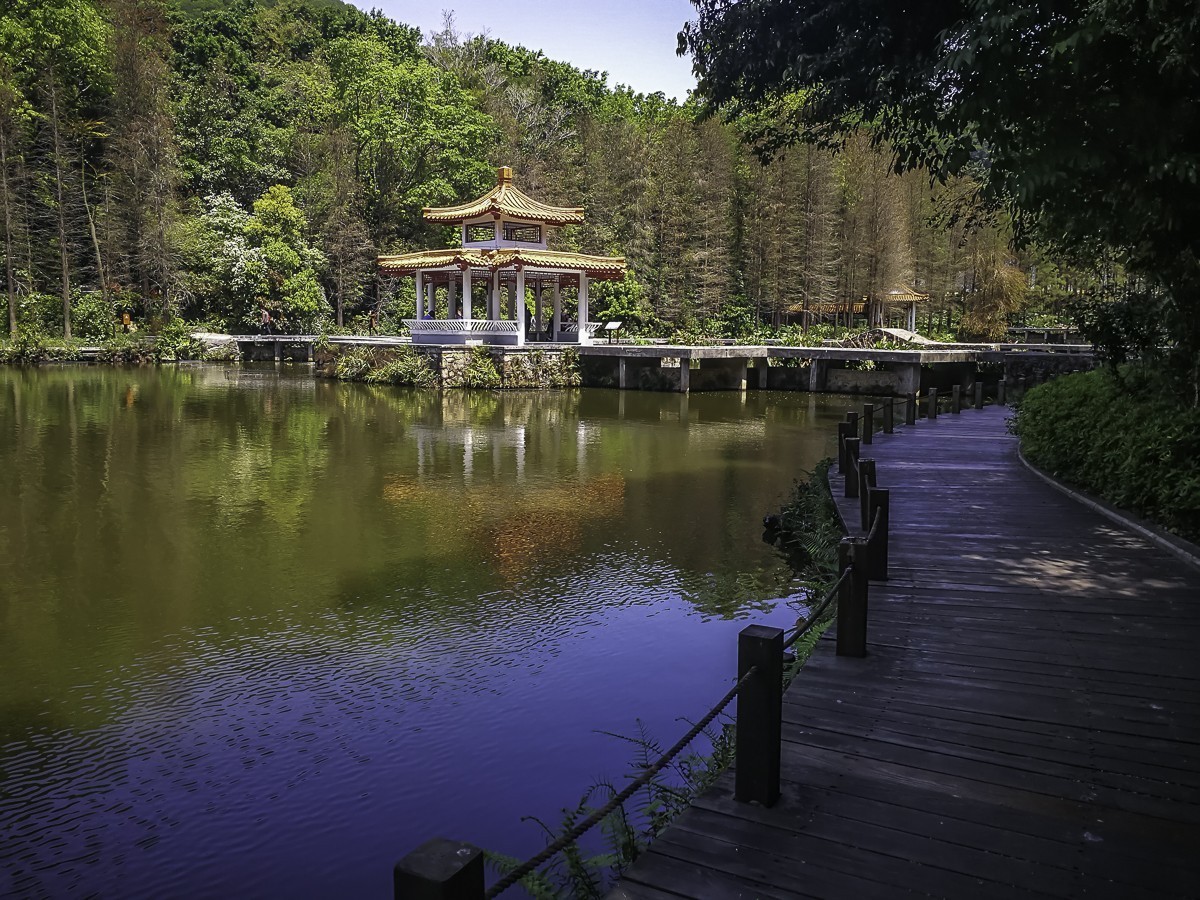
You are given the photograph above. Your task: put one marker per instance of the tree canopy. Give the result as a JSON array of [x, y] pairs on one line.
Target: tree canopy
[[1080, 115], [261, 153]]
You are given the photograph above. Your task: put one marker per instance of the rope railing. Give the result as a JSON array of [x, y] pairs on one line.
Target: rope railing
[[570, 837], [816, 614], [875, 521]]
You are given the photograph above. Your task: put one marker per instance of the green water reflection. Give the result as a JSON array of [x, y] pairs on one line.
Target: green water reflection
[[143, 511]]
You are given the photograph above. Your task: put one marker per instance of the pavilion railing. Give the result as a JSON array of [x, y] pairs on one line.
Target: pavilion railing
[[442, 869], [589, 328], [462, 326]]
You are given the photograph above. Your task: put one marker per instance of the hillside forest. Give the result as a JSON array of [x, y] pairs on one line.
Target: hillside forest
[[203, 164]]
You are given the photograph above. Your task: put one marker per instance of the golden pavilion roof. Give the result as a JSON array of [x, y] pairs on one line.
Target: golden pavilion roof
[[505, 199], [597, 267]]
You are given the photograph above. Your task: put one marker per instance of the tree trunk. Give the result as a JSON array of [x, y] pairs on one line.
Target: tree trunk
[[87, 207], [60, 199], [10, 283]]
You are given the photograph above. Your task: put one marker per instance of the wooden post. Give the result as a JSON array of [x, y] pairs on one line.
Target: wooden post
[[868, 432], [932, 410], [852, 450], [866, 481], [979, 395], [1000, 391], [440, 869], [910, 409], [844, 431], [956, 399], [852, 599], [889, 413], [878, 505], [759, 715], [852, 419]]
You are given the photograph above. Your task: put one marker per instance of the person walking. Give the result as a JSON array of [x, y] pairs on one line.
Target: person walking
[[266, 321]]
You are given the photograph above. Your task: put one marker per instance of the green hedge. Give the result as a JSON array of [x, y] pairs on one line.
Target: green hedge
[[1124, 437]]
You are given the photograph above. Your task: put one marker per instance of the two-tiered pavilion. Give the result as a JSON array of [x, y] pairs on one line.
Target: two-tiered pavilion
[[503, 256]]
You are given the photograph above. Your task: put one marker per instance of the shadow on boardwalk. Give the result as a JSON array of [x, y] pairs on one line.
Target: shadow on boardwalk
[[1027, 721]]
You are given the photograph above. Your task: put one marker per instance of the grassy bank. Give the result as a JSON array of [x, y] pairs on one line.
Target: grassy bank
[[1125, 437]]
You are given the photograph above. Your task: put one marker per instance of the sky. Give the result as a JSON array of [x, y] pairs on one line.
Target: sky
[[632, 40]]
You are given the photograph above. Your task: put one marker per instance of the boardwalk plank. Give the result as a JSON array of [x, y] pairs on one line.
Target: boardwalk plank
[[1026, 722]]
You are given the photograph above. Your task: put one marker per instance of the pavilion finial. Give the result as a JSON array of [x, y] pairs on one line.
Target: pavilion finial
[[504, 175]]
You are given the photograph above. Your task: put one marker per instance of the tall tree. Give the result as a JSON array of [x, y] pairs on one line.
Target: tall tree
[[69, 56], [142, 146], [1082, 112], [16, 114]]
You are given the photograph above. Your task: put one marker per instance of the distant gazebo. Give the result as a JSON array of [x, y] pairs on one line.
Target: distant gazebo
[[503, 254], [900, 300]]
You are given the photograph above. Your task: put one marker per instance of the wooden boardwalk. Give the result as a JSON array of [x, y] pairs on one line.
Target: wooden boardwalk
[[1026, 724]]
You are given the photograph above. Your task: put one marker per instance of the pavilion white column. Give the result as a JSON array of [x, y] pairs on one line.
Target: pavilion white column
[[519, 299], [466, 276], [537, 306], [451, 297], [583, 307], [420, 294], [557, 323], [494, 312], [912, 317], [430, 299]]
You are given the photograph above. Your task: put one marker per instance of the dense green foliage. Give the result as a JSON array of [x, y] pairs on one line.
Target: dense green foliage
[[808, 529], [258, 155], [1122, 437], [1079, 116]]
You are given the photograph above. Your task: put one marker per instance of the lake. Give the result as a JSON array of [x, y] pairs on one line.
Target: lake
[[260, 635]]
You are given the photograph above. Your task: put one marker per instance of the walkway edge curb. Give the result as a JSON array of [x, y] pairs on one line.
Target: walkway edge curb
[[1188, 552]]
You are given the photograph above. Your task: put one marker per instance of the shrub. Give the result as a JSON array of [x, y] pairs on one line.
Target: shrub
[[27, 348], [481, 371], [92, 317], [127, 350], [175, 341], [1123, 436], [354, 364], [408, 367]]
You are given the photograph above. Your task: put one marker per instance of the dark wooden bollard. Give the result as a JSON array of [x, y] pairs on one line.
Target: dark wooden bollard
[[910, 409], [868, 432], [1000, 386], [845, 430], [979, 395], [852, 451], [866, 481], [933, 401], [852, 600], [878, 506], [889, 417], [956, 399], [440, 869], [759, 715]]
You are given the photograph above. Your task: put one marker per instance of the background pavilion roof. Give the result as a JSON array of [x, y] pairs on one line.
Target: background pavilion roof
[[904, 295], [506, 200], [597, 267]]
